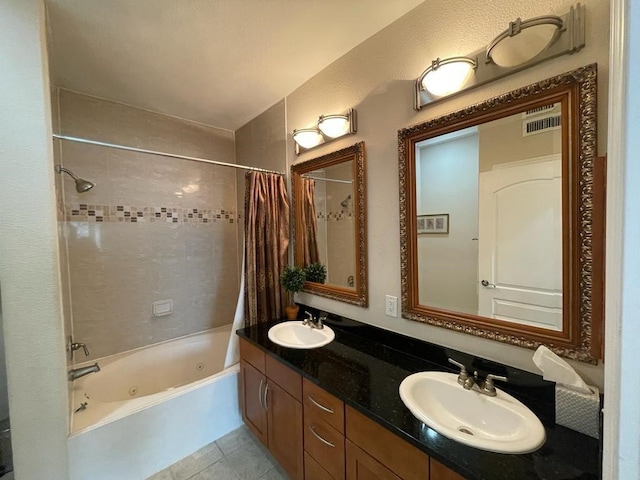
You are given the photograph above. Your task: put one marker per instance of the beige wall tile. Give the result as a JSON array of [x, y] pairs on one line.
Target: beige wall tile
[[118, 268]]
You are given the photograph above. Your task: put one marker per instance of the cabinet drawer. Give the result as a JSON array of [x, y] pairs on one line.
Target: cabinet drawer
[[252, 354], [400, 457], [288, 380], [326, 445], [313, 470], [322, 405]]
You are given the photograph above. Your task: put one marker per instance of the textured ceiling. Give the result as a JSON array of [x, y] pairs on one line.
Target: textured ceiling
[[219, 62]]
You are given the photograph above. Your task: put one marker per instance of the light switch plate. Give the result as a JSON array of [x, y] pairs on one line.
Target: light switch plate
[[391, 306]]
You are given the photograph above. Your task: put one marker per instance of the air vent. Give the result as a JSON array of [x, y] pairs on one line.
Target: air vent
[[541, 124], [538, 110]]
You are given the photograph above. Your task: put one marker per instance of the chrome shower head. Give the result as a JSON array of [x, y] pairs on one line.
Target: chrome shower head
[[82, 185], [345, 202]]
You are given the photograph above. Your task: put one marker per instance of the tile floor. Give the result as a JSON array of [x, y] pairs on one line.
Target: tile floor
[[236, 456]]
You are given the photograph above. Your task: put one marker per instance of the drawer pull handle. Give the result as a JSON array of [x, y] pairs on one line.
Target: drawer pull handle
[[321, 407], [326, 442], [260, 394]]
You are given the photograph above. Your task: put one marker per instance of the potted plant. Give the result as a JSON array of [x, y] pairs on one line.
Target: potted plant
[[292, 280], [316, 272]]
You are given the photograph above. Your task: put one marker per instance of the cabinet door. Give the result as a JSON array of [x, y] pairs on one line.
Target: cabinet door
[[361, 466], [440, 472], [252, 384], [285, 430]]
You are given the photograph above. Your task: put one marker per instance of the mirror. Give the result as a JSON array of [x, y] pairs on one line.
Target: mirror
[[328, 202], [498, 218]]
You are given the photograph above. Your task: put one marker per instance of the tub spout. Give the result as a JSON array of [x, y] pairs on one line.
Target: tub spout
[[76, 373]]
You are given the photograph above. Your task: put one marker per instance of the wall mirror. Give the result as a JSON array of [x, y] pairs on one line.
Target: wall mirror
[[330, 223], [498, 209]]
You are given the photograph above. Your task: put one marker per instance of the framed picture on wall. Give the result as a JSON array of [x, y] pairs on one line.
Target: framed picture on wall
[[433, 224]]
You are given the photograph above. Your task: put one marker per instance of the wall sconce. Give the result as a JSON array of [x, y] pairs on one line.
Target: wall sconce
[[447, 76], [329, 127], [524, 44]]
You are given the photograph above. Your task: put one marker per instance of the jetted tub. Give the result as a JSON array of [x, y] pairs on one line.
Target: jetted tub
[[150, 407]]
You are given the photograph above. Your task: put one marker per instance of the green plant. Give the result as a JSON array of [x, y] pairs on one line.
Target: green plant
[[316, 272], [292, 279]]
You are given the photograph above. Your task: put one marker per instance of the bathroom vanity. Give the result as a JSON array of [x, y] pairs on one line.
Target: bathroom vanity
[[335, 413]]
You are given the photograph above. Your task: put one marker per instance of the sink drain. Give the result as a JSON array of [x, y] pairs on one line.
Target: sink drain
[[465, 430]]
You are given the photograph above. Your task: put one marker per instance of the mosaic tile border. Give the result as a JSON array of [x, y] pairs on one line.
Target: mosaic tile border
[[338, 216], [84, 212]]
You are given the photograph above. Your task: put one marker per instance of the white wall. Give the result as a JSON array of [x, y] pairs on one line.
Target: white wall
[[377, 79], [31, 298], [622, 415], [448, 263]]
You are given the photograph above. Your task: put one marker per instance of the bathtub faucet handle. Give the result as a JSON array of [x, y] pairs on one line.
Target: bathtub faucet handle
[[76, 346]]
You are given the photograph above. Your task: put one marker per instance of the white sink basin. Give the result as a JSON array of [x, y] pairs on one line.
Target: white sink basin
[[496, 424], [297, 335]]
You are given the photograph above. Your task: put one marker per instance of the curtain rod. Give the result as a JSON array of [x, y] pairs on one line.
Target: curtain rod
[[324, 179], [162, 154]]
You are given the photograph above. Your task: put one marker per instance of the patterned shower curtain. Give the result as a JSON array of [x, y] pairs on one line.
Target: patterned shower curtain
[[266, 242], [310, 231]]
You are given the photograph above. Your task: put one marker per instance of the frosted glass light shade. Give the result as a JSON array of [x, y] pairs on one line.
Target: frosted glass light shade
[[307, 137], [447, 76], [334, 126], [523, 41]]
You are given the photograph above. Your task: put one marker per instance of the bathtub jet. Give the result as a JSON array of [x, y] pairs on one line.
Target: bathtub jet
[[76, 373]]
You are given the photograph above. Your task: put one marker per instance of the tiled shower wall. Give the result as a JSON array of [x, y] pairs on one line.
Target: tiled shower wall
[[153, 228]]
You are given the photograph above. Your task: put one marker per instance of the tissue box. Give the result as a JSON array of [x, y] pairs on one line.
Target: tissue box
[[578, 411]]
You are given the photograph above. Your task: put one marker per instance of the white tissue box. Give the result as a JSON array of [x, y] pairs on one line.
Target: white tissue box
[[578, 411]]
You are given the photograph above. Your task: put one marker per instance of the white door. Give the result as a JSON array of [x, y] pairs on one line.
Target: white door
[[520, 243]]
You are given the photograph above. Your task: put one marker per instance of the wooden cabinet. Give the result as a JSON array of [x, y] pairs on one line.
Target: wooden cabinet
[[270, 398], [254, 414], [314, 436], [361, 466], [395, 454], [323, 431], [440, 472], [285, 429]]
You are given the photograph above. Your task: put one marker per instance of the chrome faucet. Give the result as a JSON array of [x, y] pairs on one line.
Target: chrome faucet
[[485, 387], [73, 346], [76, 373], [314, 322]]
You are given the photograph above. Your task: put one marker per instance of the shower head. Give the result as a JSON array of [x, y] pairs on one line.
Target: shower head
[[82, 185], [345, 202]]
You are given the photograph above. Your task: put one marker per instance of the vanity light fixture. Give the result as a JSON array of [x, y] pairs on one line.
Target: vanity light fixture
[[329, 127], [308, 137], [444, 77], [523, 44], [523, 40]]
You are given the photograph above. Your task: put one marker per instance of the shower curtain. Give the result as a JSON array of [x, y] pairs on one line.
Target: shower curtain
[[266, 242], [309, 223]]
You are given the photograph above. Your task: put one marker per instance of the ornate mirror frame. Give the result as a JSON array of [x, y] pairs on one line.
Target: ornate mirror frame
[[358, 295], [582, 254]]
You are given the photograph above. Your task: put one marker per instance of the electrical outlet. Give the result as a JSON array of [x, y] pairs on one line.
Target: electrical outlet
[[391, 306]]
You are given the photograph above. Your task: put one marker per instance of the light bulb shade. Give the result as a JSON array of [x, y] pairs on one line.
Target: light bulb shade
[[447, 76], [307, 137], [523, 41], [334, 126]]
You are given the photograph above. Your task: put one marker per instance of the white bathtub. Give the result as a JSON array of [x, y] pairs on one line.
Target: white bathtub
[[150, 407]]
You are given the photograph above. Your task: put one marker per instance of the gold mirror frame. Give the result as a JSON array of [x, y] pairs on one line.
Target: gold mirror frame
[[358, 295], [582, 216]]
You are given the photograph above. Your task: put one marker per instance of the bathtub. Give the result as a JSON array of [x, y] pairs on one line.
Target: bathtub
[[150, 407]]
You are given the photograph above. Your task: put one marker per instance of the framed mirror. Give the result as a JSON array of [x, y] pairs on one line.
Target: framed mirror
[[500, 234], [328, 202]]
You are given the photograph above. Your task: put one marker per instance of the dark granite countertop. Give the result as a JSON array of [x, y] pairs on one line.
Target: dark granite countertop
[[365, 365]]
